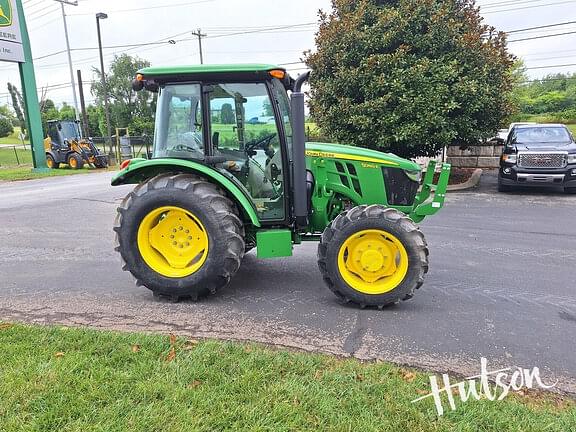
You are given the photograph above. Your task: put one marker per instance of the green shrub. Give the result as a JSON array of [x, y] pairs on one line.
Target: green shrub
[[6, 128], [409, 77]]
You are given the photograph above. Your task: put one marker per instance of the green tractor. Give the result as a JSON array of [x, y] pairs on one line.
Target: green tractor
[[231, 171]]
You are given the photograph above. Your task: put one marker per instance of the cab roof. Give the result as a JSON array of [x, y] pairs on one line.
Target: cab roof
[[153, 77], [208, 69]]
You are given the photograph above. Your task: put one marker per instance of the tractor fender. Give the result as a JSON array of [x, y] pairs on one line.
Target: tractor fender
[[140, 170]]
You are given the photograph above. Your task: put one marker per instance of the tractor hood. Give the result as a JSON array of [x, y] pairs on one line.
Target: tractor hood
[[346, 152]]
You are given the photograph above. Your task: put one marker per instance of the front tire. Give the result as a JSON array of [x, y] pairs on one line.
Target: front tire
[[503, 187], [373, 256], [75, 161], [179, 236]]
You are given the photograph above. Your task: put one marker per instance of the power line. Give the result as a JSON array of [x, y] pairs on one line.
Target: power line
[[540, 27], [263, 30], [554, 58], [527, 7], [148, 8], [169, 38], [551, 66], [542, 37], [508, 3]]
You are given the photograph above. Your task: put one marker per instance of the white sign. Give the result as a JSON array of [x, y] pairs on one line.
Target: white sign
[[10, 37]]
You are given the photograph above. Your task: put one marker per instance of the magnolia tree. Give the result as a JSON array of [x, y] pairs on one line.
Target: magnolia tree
[[409, 77]]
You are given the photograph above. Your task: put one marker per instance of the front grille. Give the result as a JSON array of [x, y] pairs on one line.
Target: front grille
[[400, 190], [542, 160]]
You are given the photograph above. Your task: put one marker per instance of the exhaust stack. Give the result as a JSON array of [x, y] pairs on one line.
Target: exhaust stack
[[299, 152]]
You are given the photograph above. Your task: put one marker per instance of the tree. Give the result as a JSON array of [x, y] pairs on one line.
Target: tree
[[267, 109], [409, 77], [226, 114], [94, 115], [551, 95], [6, 128], [6, 113], [67, 112], [48, 111], [18, 104], [128, 108]]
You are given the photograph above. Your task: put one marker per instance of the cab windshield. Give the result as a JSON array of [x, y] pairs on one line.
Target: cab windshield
[[70, 130]]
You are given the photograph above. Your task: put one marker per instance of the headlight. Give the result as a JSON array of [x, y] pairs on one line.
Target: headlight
[[414, 175], [510, 158], [571, 158]]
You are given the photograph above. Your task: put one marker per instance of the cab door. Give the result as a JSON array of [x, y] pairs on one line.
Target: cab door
[[245, 131]]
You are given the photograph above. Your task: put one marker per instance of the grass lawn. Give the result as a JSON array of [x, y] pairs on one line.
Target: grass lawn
[[58, 379], [25, 173], [20, 168], [572, 127], [11, 158], [13, 139]]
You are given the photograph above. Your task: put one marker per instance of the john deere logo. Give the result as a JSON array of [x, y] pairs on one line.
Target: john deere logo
[[5, 13]]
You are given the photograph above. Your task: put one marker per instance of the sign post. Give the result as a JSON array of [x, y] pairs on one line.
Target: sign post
[[15, 47]]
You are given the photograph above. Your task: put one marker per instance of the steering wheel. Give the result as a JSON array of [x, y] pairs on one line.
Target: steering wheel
[[263, 143], [183, 147]]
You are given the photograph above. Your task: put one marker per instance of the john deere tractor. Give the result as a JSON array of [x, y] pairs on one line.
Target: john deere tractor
[[231, 171], [65, 145]]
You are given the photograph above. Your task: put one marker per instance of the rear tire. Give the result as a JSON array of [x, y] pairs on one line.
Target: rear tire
[[384, 224], [75, 161], [214, 212]]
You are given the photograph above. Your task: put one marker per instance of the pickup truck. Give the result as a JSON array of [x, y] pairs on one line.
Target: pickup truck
[[538, 155]]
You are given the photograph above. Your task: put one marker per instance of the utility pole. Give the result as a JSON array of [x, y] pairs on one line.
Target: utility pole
[[101, 16], [73, 84], [83, 105], [200, 36]]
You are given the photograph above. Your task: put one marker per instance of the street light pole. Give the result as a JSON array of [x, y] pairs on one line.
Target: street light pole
[[100, 16], [72, 83]]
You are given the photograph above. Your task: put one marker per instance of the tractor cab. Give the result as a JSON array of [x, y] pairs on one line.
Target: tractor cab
[[239, 127], [214, 129], [63, 133]]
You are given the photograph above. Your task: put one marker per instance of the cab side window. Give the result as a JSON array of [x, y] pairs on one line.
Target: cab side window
[[244, 127]]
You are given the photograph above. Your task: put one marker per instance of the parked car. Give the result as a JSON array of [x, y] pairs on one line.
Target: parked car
[[538, 155]]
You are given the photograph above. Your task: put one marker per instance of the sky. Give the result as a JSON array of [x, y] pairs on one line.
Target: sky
[[241, 31]]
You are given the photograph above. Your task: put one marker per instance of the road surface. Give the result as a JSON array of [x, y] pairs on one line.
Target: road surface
[[502, 283]]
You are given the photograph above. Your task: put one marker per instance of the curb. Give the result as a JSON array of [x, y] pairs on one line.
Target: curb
[[471, 183]]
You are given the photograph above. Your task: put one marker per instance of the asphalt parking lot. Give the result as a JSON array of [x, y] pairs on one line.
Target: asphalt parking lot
[[501, 283]]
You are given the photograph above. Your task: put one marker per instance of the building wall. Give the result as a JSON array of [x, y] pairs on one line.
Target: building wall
[[480, 156]]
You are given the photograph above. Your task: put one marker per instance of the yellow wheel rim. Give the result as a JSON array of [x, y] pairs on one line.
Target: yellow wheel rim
[[49, 163], [173, 241], [73, 163], [373, 261]]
